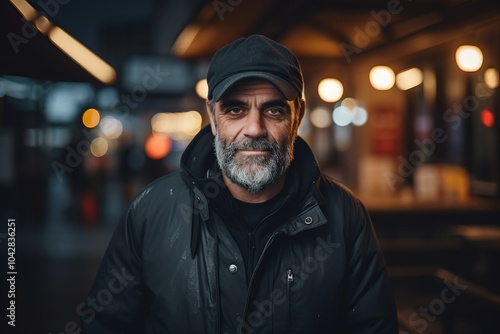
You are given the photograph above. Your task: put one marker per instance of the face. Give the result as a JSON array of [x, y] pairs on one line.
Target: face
[[255, 129]]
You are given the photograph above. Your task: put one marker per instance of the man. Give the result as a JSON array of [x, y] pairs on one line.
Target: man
[[248, 236]]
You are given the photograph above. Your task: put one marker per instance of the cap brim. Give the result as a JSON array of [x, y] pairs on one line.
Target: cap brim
[[288, 91]]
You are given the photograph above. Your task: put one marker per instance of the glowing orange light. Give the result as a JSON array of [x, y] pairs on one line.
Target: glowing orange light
[[157, 147], [487, 118], [91, 118]]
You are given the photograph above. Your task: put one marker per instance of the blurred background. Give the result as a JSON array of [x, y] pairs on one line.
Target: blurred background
[[99, 98]]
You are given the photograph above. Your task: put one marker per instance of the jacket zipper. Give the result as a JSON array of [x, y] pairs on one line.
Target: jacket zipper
[[289, 283], [250, 285]]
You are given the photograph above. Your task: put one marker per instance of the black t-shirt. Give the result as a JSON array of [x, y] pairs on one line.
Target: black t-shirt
[[254, 213], [248, 232]]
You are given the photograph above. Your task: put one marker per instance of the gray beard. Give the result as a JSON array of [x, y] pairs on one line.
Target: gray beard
[[253, 173]]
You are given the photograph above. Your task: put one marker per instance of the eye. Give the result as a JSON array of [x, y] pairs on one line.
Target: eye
[[234, 111], [275, 112]]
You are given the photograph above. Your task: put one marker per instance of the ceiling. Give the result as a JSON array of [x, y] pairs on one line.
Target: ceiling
[[335, 29], [27, 53], [194, 30]]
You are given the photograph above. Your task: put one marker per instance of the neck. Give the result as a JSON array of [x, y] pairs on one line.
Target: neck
[[241, 194]]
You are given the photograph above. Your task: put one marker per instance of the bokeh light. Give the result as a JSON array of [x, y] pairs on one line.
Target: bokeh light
[[179, 125], [91, 118], [330, 90], [382, 77], [487, 118], [349, 103], [469, 58], [360, 116], [342, 116], [491, 77], [99, 147], [202, 88], [321, 117], [111, 127], [349, 111], [157, 147], [409, 78]]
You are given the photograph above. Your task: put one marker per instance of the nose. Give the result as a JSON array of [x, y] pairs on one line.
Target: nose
[[254, 125]]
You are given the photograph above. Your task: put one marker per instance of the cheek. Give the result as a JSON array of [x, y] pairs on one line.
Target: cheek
[[229, 129], [283, 131], [226, 130]]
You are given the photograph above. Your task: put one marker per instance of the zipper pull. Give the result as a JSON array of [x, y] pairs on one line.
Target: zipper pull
[[289, 276]]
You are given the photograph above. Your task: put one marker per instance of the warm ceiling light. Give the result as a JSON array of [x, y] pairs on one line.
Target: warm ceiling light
[[409, 78], [202, 88], [330, 90], [469, 58], [185, 39], [83, 56], [26, 10], [43, 24], [68, 44], [382, 77], [491, 78]]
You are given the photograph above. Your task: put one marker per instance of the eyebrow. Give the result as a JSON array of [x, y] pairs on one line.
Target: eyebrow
[[267, 104], [231, 103], [276, 103]]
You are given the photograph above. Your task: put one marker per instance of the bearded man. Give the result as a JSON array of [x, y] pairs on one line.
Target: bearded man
[[248, 236]]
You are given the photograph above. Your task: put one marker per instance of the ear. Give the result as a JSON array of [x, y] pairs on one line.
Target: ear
[[211, 117], [301, 109]]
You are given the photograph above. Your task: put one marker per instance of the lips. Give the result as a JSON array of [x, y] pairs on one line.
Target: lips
[[254, 152], [263, 147]]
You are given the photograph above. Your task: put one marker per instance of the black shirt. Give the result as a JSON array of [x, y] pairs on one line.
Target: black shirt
[[251, 230]]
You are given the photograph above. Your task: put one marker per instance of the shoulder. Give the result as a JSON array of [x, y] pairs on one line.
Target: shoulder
[[158, 210], [160, 189], [161, 198], [342, 205], [333, 189]]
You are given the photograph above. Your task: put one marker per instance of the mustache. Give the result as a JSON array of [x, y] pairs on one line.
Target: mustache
[[257, 144]]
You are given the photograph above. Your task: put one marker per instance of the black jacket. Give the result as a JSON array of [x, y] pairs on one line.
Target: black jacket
[[173, 266]]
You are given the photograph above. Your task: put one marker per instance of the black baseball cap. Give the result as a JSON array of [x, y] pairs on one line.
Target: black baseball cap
[[254, 57]]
